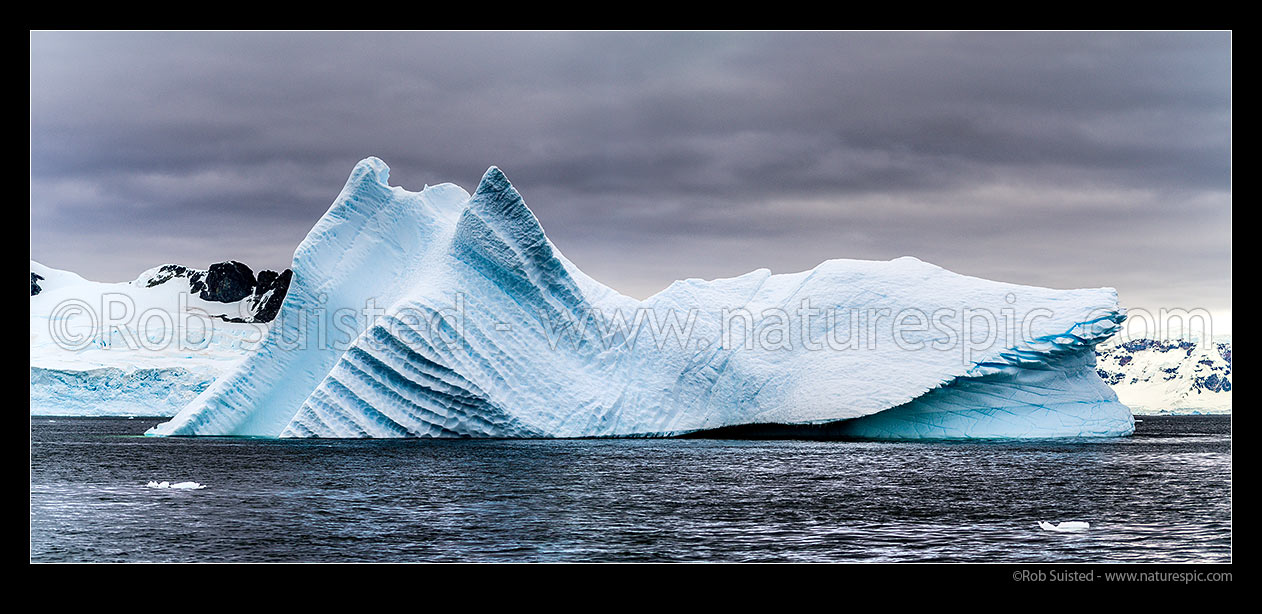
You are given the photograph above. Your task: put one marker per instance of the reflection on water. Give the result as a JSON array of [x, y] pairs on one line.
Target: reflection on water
[[1162, 495]]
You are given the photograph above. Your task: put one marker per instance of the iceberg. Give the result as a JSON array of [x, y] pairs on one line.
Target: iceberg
[[1068, 526], [443, 314], [177, 485]]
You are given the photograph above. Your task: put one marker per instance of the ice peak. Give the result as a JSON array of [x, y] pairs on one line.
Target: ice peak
[[493, 181], [370, 169], [502, 207]]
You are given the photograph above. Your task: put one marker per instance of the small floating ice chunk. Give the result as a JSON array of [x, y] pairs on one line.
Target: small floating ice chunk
[[1069, 526], [179, 485]]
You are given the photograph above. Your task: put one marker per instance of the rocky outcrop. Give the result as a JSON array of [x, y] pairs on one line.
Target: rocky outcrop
[[229, 282], [269, 293]]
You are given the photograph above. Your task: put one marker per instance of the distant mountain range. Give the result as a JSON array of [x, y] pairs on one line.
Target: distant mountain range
[[231, 282], [150, 364], [1173, 376]]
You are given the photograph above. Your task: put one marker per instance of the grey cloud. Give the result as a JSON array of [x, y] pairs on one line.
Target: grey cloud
[[1064, 159]]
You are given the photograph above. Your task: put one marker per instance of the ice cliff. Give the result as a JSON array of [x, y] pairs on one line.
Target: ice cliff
[[440, 314], [143, 347]]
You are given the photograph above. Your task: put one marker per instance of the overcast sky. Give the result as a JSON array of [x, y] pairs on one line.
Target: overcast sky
[[1056, 159]]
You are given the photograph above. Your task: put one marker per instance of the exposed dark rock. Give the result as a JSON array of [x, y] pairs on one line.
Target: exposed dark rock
[[228, 282], [35, 279], [167, 272], [1138, 345], [269, 294], [1214, 383], [266, 279]]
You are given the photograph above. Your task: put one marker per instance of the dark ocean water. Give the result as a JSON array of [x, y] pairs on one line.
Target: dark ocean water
[[1162, 495]]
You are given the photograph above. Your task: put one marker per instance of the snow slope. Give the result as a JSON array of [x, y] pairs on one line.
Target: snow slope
[[100, 349], [1169, 377], [440, 314]]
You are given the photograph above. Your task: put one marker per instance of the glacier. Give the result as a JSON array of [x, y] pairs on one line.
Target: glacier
[[1168, 376], [443, 314], [146, 347], [118, 390]]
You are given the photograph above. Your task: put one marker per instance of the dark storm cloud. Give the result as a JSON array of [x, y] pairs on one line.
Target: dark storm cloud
[[1062, 159]]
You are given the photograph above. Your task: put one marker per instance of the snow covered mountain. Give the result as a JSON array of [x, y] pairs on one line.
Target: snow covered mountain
[[244, 298], [1154, 377], [144, 347], [475, 325]]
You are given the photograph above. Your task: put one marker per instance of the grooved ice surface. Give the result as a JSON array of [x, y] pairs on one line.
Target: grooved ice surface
[[515, 360]]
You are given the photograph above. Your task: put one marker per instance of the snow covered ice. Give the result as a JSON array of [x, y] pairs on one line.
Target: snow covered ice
[[440, 314], [167, 347], [1178, 376]]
